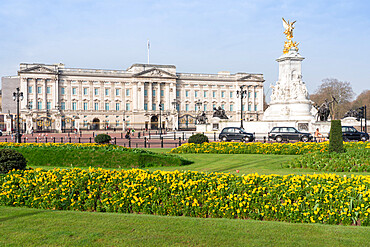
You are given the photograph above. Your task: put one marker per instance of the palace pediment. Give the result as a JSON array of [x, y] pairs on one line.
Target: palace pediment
[[155, 72], [38, 69]]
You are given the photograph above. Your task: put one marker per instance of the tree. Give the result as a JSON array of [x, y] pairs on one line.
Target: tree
[[361, 100], [341, 91]]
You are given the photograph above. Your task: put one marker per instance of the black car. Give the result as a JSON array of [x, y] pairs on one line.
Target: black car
[[235, 133], [280, 134], [349, 133]]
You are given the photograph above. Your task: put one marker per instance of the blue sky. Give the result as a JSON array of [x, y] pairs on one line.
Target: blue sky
[[196, 36]]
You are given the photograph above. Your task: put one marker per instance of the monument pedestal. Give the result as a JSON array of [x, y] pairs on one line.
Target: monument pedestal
[[289, 98]]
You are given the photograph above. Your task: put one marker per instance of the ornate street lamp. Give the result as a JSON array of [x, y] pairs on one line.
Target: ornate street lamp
[[16, 96], [175, 104], [160, 119], [242, 94]]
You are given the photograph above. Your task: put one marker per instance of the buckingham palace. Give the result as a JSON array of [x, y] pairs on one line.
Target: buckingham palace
[[57, 98]]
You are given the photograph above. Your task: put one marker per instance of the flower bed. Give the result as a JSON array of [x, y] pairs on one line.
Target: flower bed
[[350, 161], [323, 198], [91, 154], [262, 148]]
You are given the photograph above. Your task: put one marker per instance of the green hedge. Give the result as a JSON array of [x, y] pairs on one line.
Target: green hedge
[[107, 156], [336, 138]]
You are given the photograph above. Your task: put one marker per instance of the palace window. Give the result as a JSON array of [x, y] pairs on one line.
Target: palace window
[[223, 107], [249, 107], [153, 107], [96, 106], [186, 93], [153, 92], [39, 90], [145, 92], [231, 94], [223, 94], [85, 106], [177, 93], [96, 91], [107, 92], [30, 105], [30, 89], [231, 107], [127, 92], [205, 107], [74, 106], [255, 107], [63, 105], [249, 94], [196, 94], [145, 106], [74, 90], [255, 94], [214, 94], [127, 106], [117, 123], [162, 93], [85, 91], [48, 105], [48, 90], [117, 106], [39, 105], [107, 106], [205, 94], [62, 91], [187, 107], [117, 92]]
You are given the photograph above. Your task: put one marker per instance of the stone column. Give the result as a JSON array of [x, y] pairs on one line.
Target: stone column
[[150, 96], [141, 96], [135, 96], [167, 97], [56, 93], [35, 94], [158, 101]]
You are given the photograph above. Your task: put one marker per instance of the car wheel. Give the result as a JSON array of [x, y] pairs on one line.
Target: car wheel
[[246, 139], [305, 138], [363, 138], [224, 139], [279, 139]]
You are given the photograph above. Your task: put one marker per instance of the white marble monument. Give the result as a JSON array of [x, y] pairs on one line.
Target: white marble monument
[[289, 98]]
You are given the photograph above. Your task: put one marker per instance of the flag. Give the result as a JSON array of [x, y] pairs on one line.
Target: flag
[[148, 44]]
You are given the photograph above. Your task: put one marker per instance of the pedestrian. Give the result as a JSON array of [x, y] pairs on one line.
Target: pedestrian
[[127, 135], [318, 136]]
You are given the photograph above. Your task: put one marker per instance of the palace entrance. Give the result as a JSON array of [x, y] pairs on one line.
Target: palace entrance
[[95, 124]]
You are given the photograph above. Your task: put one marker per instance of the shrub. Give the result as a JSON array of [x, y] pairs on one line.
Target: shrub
[[11, 159], [102, 138], [198, 138], [336, 138]]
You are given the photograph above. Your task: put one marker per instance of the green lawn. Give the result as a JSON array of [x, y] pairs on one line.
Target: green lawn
[[34, 227], [245, 163]]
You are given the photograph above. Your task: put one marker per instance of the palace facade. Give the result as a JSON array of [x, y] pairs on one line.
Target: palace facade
[[56, 98]]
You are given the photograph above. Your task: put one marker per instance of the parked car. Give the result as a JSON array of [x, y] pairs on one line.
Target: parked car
[[1, 132], [235, 133], [280, 134], [349, 133]]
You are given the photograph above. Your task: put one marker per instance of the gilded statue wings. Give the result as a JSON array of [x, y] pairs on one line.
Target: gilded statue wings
[[287, 25]]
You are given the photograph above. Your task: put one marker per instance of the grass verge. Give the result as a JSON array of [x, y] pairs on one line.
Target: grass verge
[[33, 227]]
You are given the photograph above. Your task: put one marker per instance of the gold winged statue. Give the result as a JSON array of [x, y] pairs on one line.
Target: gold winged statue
[[289, 35]]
